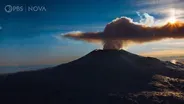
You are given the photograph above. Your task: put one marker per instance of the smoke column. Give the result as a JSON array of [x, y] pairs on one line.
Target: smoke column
[[112, 44]]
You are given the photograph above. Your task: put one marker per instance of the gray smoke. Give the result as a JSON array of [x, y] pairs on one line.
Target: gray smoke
[[113, 44]]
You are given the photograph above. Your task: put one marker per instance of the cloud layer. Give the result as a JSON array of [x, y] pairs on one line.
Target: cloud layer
[[124, 29]]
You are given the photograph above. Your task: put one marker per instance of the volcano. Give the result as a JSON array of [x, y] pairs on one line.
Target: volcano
[[100, 77]]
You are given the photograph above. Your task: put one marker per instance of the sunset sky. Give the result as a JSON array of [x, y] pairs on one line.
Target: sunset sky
[[34, 38]]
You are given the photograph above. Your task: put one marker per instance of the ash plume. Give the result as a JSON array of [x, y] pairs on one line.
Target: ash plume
[[124, 29], [112, 44]]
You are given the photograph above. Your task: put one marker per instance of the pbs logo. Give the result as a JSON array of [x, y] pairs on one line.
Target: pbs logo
[[10, 8]]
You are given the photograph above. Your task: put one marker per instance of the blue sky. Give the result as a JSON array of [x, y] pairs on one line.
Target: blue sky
[[33, 38]]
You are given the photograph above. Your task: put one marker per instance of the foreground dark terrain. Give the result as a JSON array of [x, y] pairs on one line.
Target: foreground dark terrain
[[101, 77]]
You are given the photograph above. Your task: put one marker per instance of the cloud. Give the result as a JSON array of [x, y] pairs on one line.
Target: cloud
[[162, 8], [124, 29], [157, 2], [165, 12], [146, 19]]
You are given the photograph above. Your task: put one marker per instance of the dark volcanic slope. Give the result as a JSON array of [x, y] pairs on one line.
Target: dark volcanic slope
[[102, 76]]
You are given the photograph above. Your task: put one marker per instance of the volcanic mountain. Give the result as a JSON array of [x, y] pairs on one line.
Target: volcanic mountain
[[100, 77]]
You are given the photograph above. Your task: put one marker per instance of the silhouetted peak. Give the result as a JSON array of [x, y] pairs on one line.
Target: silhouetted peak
[[110, 52], [115, 58]]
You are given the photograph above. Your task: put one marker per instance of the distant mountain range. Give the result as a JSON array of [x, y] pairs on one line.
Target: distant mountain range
[[14, 69], [100, 77]]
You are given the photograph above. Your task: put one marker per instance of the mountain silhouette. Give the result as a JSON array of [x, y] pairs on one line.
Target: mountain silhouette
[[100, 77]]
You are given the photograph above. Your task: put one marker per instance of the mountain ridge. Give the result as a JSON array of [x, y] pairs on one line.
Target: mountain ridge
[[94, 77]]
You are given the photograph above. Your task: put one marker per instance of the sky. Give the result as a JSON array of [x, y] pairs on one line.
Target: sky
[[31, 30]]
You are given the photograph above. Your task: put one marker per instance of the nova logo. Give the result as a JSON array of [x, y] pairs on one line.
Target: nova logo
[[11, 8], [36, 8]]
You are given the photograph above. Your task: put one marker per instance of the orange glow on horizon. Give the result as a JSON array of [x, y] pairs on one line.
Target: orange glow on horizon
[[164, 53]]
